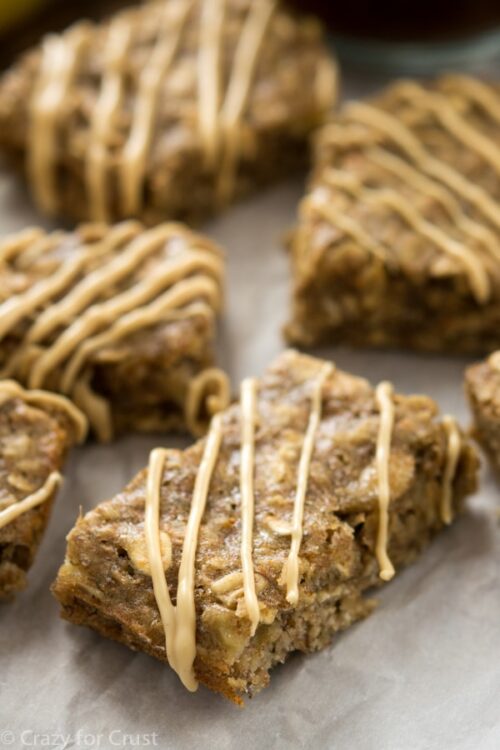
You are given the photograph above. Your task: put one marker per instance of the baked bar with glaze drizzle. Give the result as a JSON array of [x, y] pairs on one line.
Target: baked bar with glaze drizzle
[[36, 430], [168, 110], [398, 239], [263, 538], [118, 318]]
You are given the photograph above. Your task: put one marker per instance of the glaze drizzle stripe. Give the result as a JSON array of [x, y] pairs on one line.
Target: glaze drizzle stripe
[[248, 407], [219, 115], [185, 631], [17, 509], [452, 121], [59, 60], [179, 622], [136, 148], [384, 399], [80, 316], [478, 277], [238, 90], [209, 79], [478, 92], [184, 292], [291, 568], [19, 306], [318, 204], [402, 136], [453, 449], [210, 388], [427, 187], [153, 547], [48, 400], [11, 247], [107, 105]]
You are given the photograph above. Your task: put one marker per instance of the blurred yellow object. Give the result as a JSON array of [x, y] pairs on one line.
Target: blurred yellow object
[[14, 11]]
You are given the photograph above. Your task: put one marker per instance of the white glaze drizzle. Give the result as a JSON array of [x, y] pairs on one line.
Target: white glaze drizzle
[[476, 91], [318, 204], [387, 197], [209, 70], [183, 285], [402, 136], [9, 514], [11, 247], [106, 107], [248, 408], [442, 195], [384, 398], [438, 179], [219, 121], [58, 65], [136, 148], [453, 448], [48, 401], [210, 389], [452, 121], [179, 622], [161, 310], [291, 568], [243, 70]]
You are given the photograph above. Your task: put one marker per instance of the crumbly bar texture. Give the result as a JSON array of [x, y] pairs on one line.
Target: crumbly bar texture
[[119, 318], [105, 580], [397, 242], [168, 110], [34, 438], [482, 385]]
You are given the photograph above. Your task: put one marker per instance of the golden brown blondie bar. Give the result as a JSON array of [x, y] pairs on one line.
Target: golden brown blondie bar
[[263, 538], [398, 239], [36, 429], [168, 110], [119, 318]]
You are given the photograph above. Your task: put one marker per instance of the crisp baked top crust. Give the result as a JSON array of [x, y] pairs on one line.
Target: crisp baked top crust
[[162, 98], [121, 300]]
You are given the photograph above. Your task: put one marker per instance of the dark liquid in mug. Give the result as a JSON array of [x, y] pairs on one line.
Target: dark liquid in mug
[[406, 21]]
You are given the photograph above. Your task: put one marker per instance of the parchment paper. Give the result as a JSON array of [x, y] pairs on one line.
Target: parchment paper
[[421, 673]]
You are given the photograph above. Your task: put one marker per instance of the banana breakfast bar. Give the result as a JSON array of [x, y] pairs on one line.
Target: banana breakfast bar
[[118, 318], [36, 429], [170, 109], [398, 239], [262, 539]]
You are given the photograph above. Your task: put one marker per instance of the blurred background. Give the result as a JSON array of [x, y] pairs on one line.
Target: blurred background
[[406, 36], [22, 22]]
